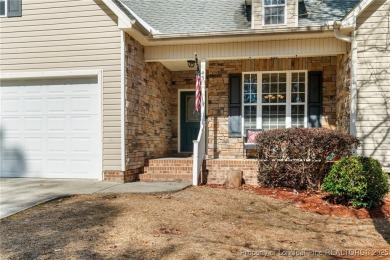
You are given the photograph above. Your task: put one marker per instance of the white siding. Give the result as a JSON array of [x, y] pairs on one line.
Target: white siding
[[245, 50], [69, 35], [373, 68]]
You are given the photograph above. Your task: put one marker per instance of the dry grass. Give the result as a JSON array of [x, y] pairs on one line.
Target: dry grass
[[197, 223]]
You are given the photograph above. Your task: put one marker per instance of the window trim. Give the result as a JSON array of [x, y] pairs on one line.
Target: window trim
[[259, 104], [5, 9], [274, 24]]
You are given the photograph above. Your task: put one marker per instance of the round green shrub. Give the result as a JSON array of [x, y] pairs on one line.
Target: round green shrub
[[358, 180]]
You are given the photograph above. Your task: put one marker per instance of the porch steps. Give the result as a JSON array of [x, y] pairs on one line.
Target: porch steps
[[167, 169]]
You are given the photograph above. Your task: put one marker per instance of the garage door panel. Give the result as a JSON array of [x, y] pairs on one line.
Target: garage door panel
[[34, 124], [58, 124], [57, 105], [56, 145], [57, 168], [10, 105], [33, 105], [81, 124], [34, 145], [51, 128], [11, 124]]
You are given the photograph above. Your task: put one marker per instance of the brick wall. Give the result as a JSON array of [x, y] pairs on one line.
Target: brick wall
[[219, 144], [342, 93], [217, 170], [148, 109]]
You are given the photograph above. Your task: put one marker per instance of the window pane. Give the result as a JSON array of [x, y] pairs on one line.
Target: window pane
[[247, 88], [274, 77], [274, 88], [249, 117], [246, 78], [281, 98], [265, 78], [282, 77], [265, 88], [282, 88], [254, 88], [254, 98], [274, 117], [281, 19], [2, 7], [254, 78], [297, 116], [301, 77], [301, 87], [267, 2], [247, 98], [294, 77]]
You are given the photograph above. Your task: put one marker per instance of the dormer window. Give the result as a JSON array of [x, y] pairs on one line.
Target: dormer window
[[274, 12]]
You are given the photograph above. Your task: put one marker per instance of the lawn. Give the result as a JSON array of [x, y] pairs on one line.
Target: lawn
[[196, 223]]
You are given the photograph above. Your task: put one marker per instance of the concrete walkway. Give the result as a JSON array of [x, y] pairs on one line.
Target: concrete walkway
[[18, 194]]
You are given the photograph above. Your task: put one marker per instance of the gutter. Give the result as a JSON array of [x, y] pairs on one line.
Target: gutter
[[353, 90], [248, 32]]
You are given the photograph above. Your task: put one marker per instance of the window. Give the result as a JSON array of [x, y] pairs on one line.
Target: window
[[274, 12], [279, 101], [2, 7], [10, 8]]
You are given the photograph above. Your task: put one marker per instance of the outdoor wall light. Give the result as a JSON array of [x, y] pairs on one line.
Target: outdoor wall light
[[191, 63]]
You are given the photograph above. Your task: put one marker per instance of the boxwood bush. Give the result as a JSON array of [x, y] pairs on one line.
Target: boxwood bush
[[360, 181], [297, 157]]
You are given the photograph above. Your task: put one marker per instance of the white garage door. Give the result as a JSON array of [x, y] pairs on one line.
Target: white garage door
[[50, 128]]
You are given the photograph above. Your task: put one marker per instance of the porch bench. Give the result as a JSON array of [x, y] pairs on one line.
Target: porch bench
[[250, 144]]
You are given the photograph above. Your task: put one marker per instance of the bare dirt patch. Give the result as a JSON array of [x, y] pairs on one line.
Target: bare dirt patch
[[197, 223]]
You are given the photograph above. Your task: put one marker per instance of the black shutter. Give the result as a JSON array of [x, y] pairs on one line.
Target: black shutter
[[235, 106], [14, 8], [314, 108]]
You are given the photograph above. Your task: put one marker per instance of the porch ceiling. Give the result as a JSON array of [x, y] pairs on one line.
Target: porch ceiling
[[175, 57]]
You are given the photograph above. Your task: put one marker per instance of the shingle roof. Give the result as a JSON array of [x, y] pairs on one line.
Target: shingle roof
[[189, 16], [319, 12]]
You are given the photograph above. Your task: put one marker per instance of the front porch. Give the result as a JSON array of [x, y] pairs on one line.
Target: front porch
[[155, 111]]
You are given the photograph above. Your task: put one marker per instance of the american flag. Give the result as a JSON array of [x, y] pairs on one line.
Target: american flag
[[197, 93]]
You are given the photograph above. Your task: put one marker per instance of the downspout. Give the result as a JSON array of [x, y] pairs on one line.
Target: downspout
[[123, 102], [353, 90]]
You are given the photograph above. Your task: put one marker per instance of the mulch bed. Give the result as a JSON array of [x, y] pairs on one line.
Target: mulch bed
[[319, 203]]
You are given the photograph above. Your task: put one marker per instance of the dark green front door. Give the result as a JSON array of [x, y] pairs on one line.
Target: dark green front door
[[189, 121]]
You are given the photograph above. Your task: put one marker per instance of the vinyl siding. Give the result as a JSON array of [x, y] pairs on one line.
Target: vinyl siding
[[70, 35], [373, 79], [292, 20]]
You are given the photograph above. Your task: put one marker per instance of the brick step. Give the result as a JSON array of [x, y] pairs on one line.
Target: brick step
[[165, 177], [170, 169], [167, 169]]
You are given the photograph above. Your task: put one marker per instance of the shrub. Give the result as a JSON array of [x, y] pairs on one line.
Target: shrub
[[357, 180], [296, 157]]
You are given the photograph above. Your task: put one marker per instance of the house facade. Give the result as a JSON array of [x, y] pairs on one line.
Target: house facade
[[102, 89]]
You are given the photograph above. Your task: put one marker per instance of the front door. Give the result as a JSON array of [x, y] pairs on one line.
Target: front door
[[189, 121]]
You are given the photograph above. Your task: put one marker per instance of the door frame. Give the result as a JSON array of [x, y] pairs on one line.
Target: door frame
[[179, 105]]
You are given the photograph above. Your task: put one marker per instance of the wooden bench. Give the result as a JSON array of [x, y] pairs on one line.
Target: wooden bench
[[249, 145]]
